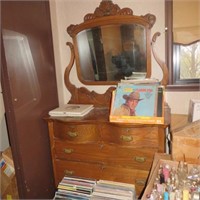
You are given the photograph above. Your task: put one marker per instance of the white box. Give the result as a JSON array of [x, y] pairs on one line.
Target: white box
[[194, 110]]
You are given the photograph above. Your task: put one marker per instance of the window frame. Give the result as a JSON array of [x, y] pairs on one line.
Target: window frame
[[175, 83]]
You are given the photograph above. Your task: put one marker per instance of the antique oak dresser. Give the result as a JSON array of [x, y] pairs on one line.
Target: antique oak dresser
[[91, 146]]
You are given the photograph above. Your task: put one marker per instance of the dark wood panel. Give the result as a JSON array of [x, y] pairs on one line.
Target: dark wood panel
[[30, 91]]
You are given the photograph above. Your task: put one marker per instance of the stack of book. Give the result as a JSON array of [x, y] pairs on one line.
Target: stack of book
[[71, 110], [136, 75], [110, 190], [138, 101], [73, 188]]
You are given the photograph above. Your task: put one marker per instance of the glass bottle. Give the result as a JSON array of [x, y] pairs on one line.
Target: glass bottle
[[181, 172]]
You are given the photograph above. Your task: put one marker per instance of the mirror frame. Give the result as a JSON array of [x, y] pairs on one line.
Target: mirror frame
[[111, 14]]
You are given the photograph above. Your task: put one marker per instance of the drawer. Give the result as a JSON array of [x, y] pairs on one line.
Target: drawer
[[76, 132], [138, 158], [138, 137], [105, 154], [79, 152], [97, 171]]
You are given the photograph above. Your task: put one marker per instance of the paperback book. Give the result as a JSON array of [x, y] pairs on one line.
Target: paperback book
[[138, 103], [71, 110]]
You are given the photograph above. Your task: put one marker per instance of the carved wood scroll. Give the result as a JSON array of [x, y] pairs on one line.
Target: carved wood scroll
[[83, 95]]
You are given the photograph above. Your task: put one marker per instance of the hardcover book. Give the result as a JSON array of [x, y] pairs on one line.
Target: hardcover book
[[138, 103], [73, 110]]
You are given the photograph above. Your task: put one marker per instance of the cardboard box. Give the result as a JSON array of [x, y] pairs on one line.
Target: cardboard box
[[8, 179], [154, 173], [7, 155], [156, 159], [186, 143]]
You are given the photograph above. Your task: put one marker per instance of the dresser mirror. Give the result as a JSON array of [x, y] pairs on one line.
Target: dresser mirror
[[112, 52], [112, 44]]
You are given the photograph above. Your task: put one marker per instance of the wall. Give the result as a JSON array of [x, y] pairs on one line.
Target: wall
[[66, 12]]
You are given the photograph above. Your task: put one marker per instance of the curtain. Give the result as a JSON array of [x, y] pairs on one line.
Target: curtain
[[186, 21]]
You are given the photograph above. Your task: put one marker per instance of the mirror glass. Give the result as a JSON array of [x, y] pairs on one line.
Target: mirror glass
[[112, 52]]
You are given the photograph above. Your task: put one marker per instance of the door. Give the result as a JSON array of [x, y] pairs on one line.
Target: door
[[29, 91]]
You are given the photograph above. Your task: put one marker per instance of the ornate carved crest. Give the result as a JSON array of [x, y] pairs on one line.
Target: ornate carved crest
[[108, 8], [150, 18]]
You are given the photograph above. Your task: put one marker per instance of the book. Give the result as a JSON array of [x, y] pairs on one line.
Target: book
[[117, 184], [160, 102], [105, 189], [149, 108], [141, 81], [73, 110], [146, 96], [72, 187], [136, 75], [115, 196], [70, 195]]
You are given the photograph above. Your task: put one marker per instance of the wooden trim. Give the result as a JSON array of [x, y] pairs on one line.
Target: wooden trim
[[168, 37], [174, 85]]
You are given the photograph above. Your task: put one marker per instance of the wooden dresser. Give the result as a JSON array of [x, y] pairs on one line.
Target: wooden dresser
[[95, 148], [92, 146]]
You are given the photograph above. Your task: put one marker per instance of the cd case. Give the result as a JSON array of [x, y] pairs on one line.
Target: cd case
[[73, 110]]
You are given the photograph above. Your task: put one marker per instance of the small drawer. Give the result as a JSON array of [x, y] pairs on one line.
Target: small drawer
[[79, 152], [72, 168], [137, 137], [76, 132]]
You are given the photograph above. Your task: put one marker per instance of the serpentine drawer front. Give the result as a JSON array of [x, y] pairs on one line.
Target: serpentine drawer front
[[137, 137], [102, 150]]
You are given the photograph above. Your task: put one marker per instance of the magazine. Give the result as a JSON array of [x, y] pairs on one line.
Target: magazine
[[138, 103], [74, 110]]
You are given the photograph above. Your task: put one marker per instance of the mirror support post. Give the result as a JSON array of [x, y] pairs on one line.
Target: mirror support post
[[162, 64]]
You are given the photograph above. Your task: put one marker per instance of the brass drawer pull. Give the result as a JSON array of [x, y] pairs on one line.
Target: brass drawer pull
[[72, 134], [68, 151], [126, 138], [68, 172], [140, 182], [140, 159]]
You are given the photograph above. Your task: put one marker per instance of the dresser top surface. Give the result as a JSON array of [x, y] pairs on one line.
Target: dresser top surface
[[98, 115]]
